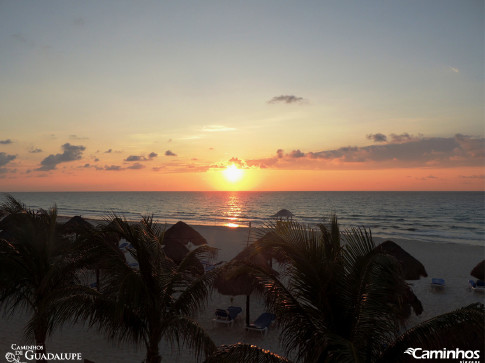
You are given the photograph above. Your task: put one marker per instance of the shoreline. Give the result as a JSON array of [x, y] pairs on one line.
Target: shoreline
[[95, 221]]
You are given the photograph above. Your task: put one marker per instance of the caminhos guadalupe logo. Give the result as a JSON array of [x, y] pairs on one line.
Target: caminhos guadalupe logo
[[465, 356], [26, 353]]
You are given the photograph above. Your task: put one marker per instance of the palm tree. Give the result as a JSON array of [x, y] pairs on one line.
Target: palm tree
[[32, 267], [155, 300], [341, 300], [334, 302]]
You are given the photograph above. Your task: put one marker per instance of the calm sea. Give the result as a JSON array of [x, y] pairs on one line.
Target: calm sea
[[429, 216]]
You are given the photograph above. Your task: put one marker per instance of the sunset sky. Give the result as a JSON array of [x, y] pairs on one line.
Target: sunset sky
[[292, 95]]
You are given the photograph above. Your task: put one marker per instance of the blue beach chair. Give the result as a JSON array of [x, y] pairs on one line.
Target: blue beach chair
[[477, 286], [227, 316], [438, 283], [262, 323]]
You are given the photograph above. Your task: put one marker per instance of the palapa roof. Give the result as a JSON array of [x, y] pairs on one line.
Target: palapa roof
[[479, 271], [183, 233], [176, 251], [410, 266], [76, 224], [284, 213], [242, 283], [175, 240]]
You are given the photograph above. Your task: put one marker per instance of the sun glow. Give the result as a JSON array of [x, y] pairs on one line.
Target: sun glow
[[233, 174]]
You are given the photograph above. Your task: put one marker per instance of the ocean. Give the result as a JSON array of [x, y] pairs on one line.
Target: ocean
[[456, 217]]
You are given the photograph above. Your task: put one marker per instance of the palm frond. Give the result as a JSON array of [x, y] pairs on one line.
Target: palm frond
[[244, 353], [183, 331], [462, 328]]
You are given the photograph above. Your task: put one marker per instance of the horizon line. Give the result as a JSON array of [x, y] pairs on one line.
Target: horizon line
[[233, 191]]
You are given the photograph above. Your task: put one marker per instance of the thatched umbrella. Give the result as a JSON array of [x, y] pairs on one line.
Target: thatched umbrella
[[242, 283], [77, 225], [479, 271], [182, 233], [174, 250], [284, 213], [175, 242], [411, 267]]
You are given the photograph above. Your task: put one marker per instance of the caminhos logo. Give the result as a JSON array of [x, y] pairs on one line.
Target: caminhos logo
[[464, 356], [37, 353]]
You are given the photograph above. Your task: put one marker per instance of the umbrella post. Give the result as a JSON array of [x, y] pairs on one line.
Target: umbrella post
[[247, 310]]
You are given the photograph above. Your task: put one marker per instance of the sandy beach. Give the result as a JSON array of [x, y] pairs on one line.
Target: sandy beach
[[452, 262]]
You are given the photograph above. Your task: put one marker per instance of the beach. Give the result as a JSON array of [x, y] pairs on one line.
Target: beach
[[450, 261]]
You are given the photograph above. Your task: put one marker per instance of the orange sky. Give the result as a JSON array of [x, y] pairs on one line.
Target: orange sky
[[161, 96]]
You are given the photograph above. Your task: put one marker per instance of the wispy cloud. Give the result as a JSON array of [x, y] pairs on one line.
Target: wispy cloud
[[136, 166], [76, 137], [170, 153], [286, 99], [402, 151], [6, 158], [6, 142], [217, 128], [454, 70], [70, 153], [35, 150], [113, 168], [132, 158], [377, 137]]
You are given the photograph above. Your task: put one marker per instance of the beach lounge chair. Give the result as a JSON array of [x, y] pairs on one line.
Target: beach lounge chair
[[477, 286], [123, 245], [262, 323], [209, 266], [227, 316], [438, 283]]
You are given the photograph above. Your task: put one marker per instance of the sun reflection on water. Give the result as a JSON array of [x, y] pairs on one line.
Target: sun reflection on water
[[234, 210]]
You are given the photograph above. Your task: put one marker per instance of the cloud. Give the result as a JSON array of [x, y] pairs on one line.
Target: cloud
[[217, 128], [108, 151], [70, 153], [75, 137], [22, 39], [6, 142], [296, 154], [113, 168], [454, 70], [136, 166], [239, 163], [402, 152], [141, 157], [405, 137], [35, 151], [6, 158], [377, 137], [135, 158], [170, 153], [286, 99]]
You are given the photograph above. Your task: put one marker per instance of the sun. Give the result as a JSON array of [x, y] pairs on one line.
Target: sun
[[233, 174]]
